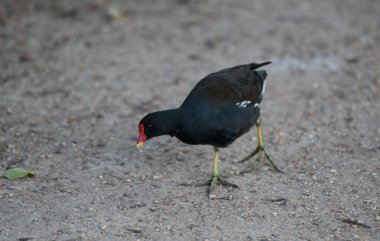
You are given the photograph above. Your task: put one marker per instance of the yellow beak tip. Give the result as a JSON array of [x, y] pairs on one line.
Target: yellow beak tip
[[139, 145]]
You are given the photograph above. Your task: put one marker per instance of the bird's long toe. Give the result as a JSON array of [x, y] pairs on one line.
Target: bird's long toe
[[250, 155], [224, 182], [211, 182], [258, 152], [270, 161]]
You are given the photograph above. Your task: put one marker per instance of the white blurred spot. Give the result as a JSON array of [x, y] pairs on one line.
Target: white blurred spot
[[262, 92]]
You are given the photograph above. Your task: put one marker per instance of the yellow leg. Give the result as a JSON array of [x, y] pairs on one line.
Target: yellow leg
[[259, 150], [215, 178], [215, 166], [260, 133]]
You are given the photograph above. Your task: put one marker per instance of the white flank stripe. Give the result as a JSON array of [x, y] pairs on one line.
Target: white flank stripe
[[243, 104]]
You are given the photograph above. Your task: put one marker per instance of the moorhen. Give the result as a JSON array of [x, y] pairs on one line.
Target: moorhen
[[221, 107]]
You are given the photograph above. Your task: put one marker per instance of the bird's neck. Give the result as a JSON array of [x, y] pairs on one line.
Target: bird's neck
[[169, 121]]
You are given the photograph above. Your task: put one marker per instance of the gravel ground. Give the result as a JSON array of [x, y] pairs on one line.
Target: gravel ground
[[77, 76]]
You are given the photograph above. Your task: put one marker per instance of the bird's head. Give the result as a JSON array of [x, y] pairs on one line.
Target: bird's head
[[156, 124], [147, 129]]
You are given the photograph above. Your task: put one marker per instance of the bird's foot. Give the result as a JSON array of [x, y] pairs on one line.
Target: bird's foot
[[258, 151], [211, 182]]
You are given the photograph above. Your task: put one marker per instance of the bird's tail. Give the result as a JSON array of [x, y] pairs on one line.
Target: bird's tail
[[253, 66]]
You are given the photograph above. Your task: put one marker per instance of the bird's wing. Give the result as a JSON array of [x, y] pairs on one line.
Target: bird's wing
[[229, 86]]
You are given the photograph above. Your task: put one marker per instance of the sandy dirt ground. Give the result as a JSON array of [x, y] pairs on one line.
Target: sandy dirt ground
[[77, 76]]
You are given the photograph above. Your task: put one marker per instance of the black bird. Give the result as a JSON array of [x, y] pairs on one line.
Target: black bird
[[221, 107]]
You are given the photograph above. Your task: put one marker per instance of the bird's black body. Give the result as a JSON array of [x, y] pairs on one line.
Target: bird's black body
[[221, 107], [217, 126]]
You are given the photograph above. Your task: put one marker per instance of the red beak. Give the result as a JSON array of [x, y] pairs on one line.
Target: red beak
[[142, 137]]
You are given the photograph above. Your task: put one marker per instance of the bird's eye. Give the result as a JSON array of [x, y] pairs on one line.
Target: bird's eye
[[149, 126]]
